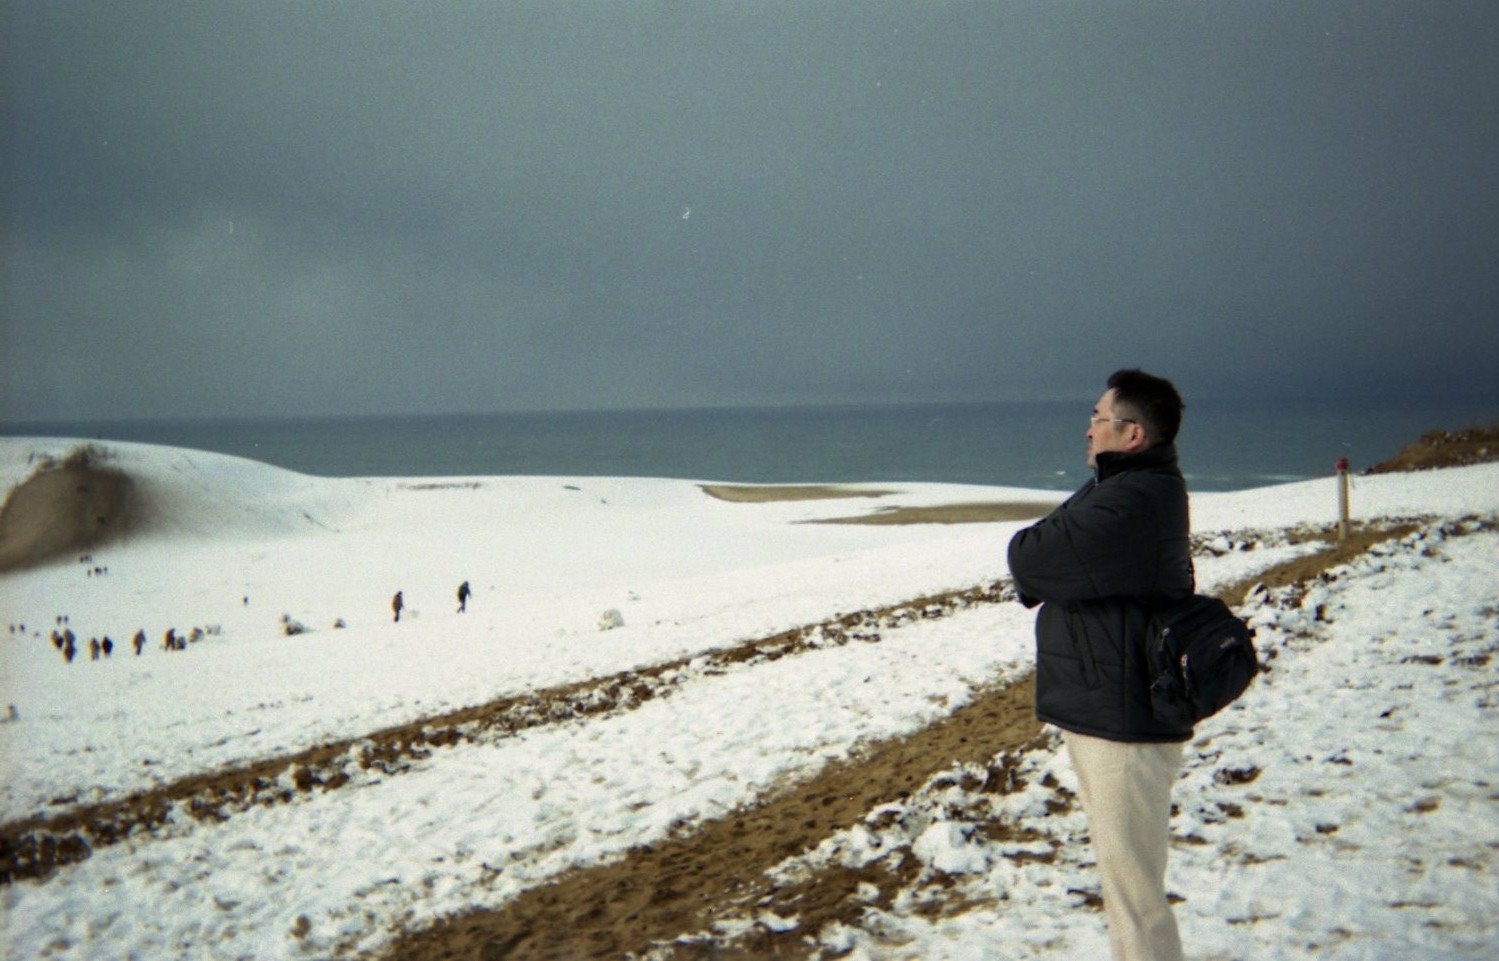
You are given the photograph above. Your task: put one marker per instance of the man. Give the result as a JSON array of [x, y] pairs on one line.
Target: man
[[1095, 565]]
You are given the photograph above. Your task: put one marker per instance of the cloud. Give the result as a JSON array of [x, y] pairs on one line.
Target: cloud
[[333, 208]]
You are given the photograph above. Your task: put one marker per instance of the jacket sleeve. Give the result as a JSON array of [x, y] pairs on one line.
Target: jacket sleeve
[[1101, 545]]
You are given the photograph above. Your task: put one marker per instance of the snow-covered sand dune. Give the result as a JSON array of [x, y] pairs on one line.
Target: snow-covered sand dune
[[235, 549], [240, 551]]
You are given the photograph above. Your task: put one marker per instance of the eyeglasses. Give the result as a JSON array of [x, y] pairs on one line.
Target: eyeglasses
[[1111, 420]]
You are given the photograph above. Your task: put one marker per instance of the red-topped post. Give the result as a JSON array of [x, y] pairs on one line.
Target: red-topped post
[[1342, 467]]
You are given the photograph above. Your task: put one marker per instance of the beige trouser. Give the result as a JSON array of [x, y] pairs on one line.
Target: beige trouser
[[1126, 794]]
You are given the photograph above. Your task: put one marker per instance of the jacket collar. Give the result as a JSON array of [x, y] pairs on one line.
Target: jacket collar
[[1110, 463]]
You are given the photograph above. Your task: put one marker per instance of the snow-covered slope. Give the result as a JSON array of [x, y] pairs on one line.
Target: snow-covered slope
[[238, 550]]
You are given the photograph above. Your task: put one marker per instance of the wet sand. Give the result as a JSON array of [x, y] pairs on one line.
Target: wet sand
[[976, 512]]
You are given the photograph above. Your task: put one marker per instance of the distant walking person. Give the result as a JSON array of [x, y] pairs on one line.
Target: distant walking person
[[397, 605], [463, 595], [1095, 564]]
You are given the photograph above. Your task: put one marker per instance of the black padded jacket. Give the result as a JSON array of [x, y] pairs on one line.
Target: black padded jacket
[[1095, 564]]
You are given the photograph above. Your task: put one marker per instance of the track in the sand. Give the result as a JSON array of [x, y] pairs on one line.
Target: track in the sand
[[658, 893], [35, 847], [652, 894]]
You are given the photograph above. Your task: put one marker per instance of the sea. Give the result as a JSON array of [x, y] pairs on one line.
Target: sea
[[1224, 445]]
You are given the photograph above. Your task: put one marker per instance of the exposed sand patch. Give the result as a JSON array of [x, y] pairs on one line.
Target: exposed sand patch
[[63, 507], [36, 846], [646, 900], [758, 494], [982, 512], [974, 513], [1303, 569], [622, 908]]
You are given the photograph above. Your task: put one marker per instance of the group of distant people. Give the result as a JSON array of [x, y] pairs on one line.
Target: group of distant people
[[66, 642], [398, 603]]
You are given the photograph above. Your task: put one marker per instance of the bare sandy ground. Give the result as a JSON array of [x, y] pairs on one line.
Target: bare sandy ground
[[62, 507], [655, 894], [659, 892], [34, 847], [767, 493], [978, 512]]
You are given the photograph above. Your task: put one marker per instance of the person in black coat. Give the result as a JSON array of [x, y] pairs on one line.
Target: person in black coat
[[1095, 565]]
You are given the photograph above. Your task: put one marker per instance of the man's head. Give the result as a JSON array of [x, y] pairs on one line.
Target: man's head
[[1137, 411]]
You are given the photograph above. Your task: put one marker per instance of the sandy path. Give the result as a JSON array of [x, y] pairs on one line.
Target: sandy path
[[656, 894], [34, 847]]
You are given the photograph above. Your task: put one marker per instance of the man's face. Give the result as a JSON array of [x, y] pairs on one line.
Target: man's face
[[1108, 430]]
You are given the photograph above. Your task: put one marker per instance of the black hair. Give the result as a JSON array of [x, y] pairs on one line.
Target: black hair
[[1151, 401]]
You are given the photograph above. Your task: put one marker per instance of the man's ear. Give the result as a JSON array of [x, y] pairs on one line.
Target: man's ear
[[1139, 438]]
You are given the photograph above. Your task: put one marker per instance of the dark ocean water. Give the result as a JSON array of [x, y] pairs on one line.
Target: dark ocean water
[[1223, 445]]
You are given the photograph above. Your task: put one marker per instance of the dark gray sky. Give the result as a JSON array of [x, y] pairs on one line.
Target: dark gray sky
[[264, 208]]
